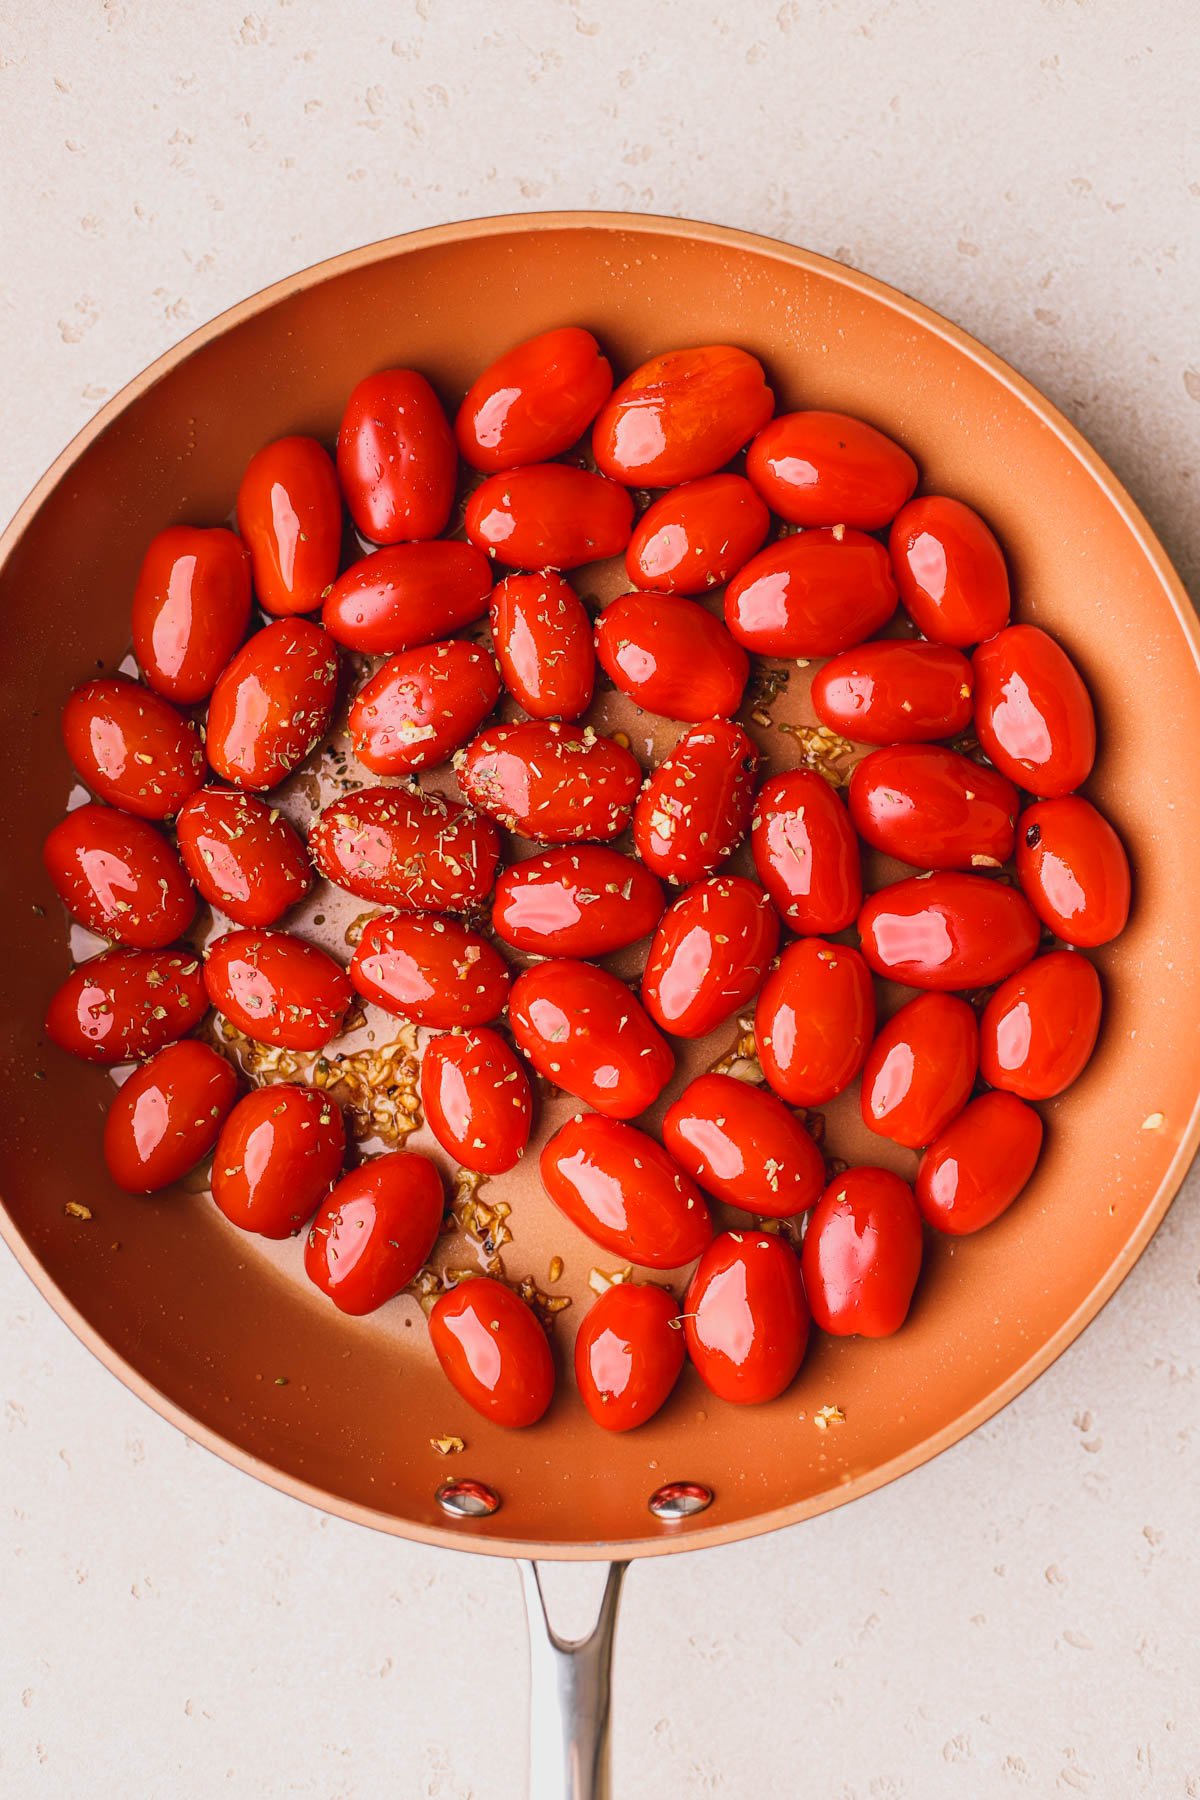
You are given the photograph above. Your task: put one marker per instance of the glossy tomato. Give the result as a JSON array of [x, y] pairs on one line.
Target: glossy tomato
[[862, 1254], [811, 594], [671, 656], [476, 1099], [552, 782], [1040, 1026], [583, 1030], [979, 1164], [745, 1316], [396, 459], [629, 1353], [166, 1117], [119, 876], [542, 637], [697, 536], [273, 704], [744, 1147], [806, 852], [681, 415], [929, 806], [695, 808], [421, 705], [947, 931], [586, 901], [950, 571], [277, 988], [131, 747], [374, 1230], [407, 594], [549, 516], [289, 512], [191, 607], [432, 971], [1033, 714], [1073, 870], [711, 951], [535, 401], [825, 468], [896, 691], [400, 847], [920, 1070], [242, 855], [625, 1192], [279, 1153], [494, 1351], [127, 1004], [814, 1021]]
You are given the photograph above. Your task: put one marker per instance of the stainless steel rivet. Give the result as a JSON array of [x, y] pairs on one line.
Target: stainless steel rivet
[[680, 1500], [468, 1499]]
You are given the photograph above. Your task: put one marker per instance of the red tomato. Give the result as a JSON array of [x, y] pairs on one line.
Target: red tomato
[[697, 536], [950, 571], [681, 415], [535, 401], [396, 459], [579, 902], [552, 782], [947, 931], [583, 1030], [979, 1164], [695, 808], [242, 855], [629, 1354], [920, 1070], [374, 1230], [549, 516], [811, 594], [624, 1192], [1040, 1026], [543, 640], [862, 1254], [825, 468], [279, 1153], [131, 747], [711, 951], [476, 1099], [935, 809], [896, 691], [745, 1316], [277, 988], [191, 607], [494, 1351], [119, 877], [744, 1147], [432, 971], [273, 704], [289, 512], [1033, 714], [407, 594], [671, 656], [814, 1021], [421, 705], [806, 852], [127, 1004], [1073, 870], [166, 1117], [403, 848]]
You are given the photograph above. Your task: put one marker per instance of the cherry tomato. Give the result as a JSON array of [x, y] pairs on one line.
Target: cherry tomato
[[806, 852], [862, 1254], [551, 782], [476, 1099], [745, 1316], [979, 1164], [920, 1070], [1040, 1026], [191, 607], [671, 656], [277, 988], [242, 855], [697, 536], [432, 971], [744, 1147], [543, 640], [710, 954], [950, 571], [1033, 714], [935, 809], [629, 1353], [119, 877], [127, 1004], [279, 1153], [681, 415], [421, 705], [1073, 870], [825, 468], [396, 459], [811, 594], [623, 1191], [374, 1230], [131, 746], [273, 704], [166, 1117], [549, 516], [814, 1021], [947, 931], [407, 594], [695, 808], [583, 1030], [535, 401], [896, 691], [494, 1351], [579, 902], [403, 848], [289, 512]]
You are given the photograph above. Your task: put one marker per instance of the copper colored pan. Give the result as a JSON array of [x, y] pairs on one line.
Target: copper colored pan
[[202, 1321]]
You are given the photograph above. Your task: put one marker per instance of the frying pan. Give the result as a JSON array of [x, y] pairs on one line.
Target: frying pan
[[217, 1330]]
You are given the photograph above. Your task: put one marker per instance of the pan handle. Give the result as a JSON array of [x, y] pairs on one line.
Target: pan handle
[[570, 1683]]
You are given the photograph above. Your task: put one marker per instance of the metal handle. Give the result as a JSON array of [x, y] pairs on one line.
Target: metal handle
[[570, 1686]]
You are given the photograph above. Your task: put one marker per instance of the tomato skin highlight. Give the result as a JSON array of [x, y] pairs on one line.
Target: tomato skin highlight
[[710, 955], [1033, 713], [947, 930], [576, 902], [625, 1192], [681, 415], [1073, 870], [280, 1151], [493, 1351], [127, 1004], [695, 808], [742, 1145], [273, 704], [812, 594], [583, 1030], [119, 876], [406, 849], [895, 691], [933, 808], [242, 854], [289, 513], [826, 468], [671, 656], [950, 571], [542, 637], [131, 747], [407, 594], [166, 1117], [814, 1021], [745, 1317], [476, 1100], [862, 1254], [697, 536], [549, 516], [920, 1070], [555, 783], [374, 1230], [533, 402], [1040, 1026], [805, 851], [191, 607], [629, 1353], [980, 1163], [277, 988], [432, 971], [421, 705], [396, 458]]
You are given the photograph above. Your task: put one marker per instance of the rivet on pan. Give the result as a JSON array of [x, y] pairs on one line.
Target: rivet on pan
[[468, 1499], [679, 1500]]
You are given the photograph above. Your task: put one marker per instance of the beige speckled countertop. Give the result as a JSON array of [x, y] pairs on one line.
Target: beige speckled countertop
[[1017, 1618]]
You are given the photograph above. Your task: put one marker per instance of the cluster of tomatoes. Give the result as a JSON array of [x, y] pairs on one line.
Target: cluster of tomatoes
[[864, 546]]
